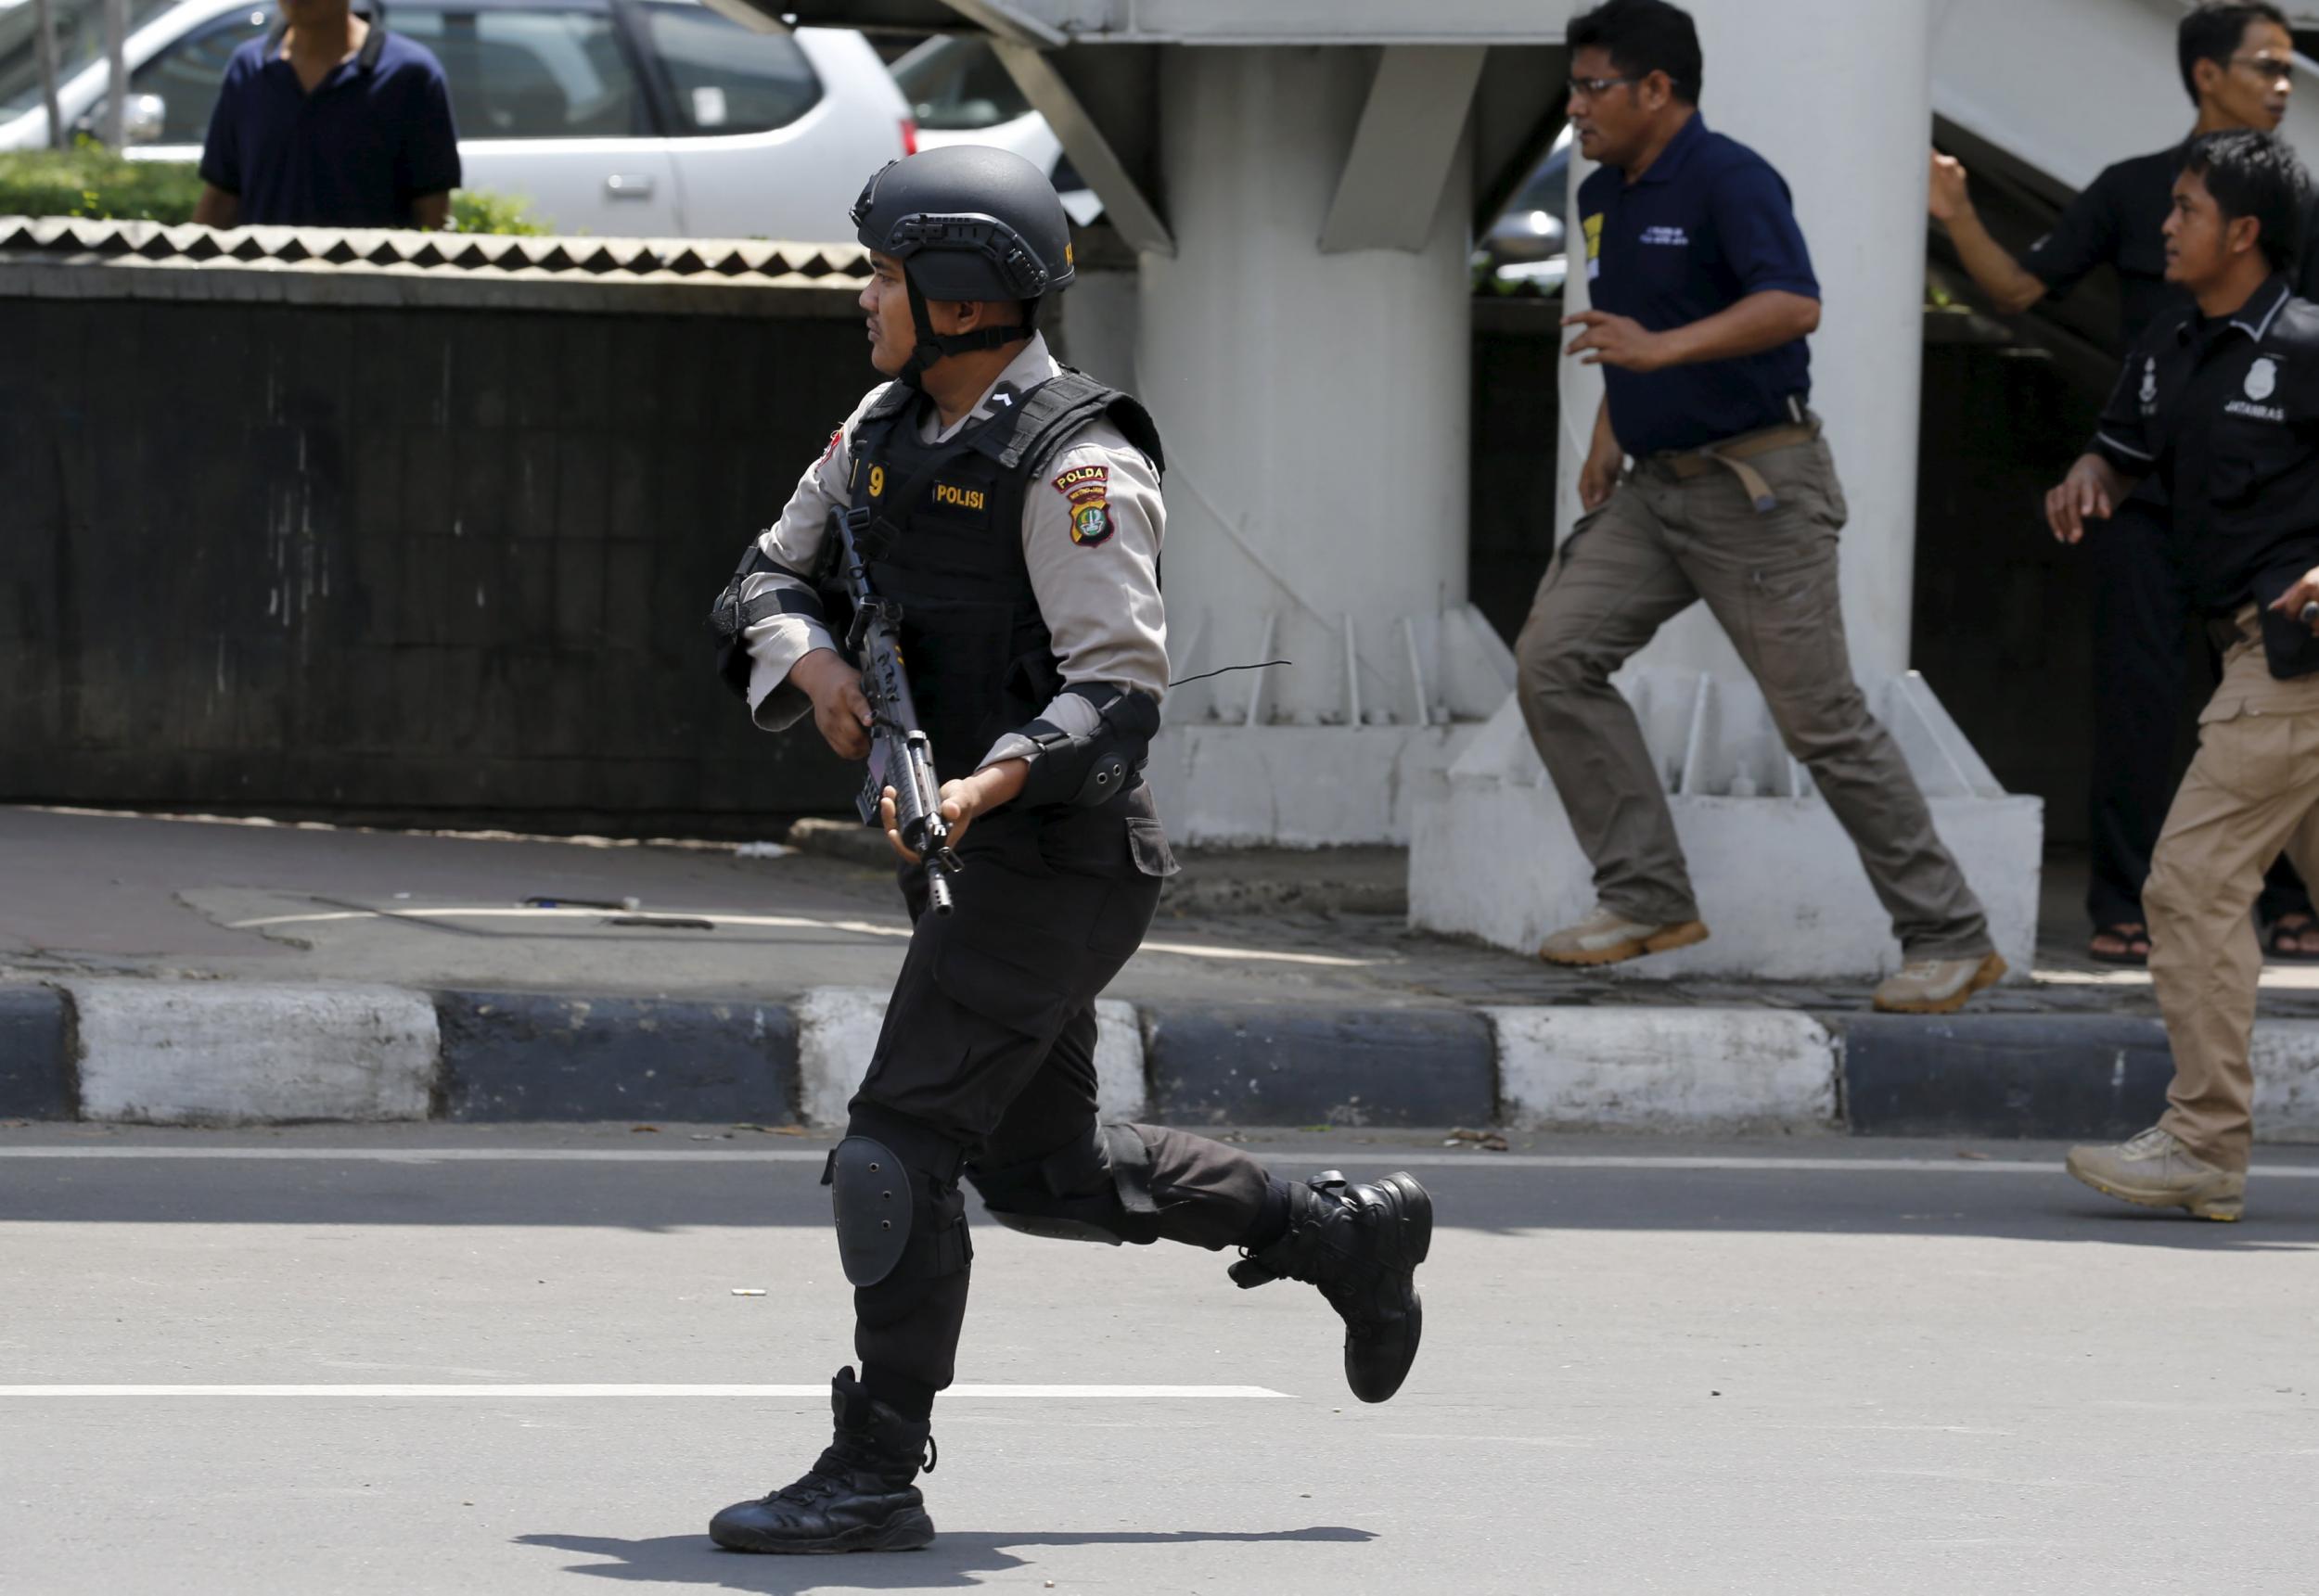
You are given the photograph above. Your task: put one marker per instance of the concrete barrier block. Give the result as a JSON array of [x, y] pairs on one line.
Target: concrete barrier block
[[2051, 1076], [522, 1055], [221, 1052], [2285, 1059], [35, 1070], [1665, 1069], [1322, 1066]]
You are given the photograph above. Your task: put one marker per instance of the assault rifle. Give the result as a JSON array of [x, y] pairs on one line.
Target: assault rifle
[[901, 757]]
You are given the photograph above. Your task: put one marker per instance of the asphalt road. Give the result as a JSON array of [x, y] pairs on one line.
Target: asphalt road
[[1650, 1366]]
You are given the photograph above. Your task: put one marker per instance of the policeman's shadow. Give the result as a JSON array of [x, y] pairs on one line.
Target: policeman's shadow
[[959, 1558]]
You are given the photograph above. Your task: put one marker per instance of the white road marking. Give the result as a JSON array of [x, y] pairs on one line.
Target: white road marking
[[1051, 1393], [1191, 950], [1279, 1154], [777, 922]]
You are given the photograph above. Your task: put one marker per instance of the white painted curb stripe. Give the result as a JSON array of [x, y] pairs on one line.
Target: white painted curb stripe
[[836, 1031], [1051, 1393], [2285, 1055], [1665, 1069], [210, 1052]]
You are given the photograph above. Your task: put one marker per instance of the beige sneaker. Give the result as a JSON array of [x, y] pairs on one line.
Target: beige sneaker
[[1938, 986], [1607, 936], [2156, 1170]]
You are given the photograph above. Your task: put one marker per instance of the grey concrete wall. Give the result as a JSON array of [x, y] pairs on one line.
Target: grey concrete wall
[[403, 548], [397, 559]]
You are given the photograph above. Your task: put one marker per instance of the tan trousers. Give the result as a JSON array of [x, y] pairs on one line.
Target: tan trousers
[[2252, 790], [1660, 544]]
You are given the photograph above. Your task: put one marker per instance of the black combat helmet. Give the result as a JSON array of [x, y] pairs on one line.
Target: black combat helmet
[[966, 221]]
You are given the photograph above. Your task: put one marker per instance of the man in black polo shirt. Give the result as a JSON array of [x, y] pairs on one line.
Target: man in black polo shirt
[[2220, 401], [1704, 294], [330, 121], [2235, 61]]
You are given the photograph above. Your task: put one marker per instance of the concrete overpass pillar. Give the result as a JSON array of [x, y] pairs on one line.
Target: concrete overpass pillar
[[1306, 351]]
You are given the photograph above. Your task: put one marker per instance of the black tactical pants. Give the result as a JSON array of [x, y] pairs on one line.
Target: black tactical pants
[[986, 1071]]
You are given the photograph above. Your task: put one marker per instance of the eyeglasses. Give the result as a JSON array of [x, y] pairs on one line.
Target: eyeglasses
[[2269, 68], [1591, 87]]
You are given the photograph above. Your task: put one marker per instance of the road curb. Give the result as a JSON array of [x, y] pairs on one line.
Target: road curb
[[1320, 1067], [1735, 1071], [212, 1052], [207, 1052], [838, 1028], [510, 1056], [2096, 1076], [35, 1055]]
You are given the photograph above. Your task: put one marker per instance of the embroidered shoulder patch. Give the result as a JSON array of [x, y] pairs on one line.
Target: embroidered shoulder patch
[[837, 436], [1089, 489]]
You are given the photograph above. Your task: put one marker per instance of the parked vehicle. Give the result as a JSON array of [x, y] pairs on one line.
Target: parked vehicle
[[653, 117], [959, 94], [1526, 244]]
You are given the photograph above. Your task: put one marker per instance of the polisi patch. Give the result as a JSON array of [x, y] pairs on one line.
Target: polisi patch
[[2262, 380], [1089, 489], [960, 496]]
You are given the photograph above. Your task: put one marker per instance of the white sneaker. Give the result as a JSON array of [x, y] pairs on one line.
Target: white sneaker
[[1938, 986], [2156, 1170], [1606, 937]]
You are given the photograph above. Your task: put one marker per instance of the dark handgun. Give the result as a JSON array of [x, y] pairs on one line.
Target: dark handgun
[[901, 757]]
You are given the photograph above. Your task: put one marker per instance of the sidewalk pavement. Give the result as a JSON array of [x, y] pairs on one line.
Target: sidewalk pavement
[[197, 971]]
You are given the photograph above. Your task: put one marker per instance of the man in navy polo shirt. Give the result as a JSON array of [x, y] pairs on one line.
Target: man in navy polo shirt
[[1704, 294], [330, 121]]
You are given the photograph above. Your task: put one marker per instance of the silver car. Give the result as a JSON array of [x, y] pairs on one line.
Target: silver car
[[652, 118]]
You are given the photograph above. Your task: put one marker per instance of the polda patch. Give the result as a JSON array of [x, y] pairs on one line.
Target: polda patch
[[1089, 489]]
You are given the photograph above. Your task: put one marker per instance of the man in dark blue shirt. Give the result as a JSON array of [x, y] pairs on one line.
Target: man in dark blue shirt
[[330, 121], [2236, 61], [1704, 293]]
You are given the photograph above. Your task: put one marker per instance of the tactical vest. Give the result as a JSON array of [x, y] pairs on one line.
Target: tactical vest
[[944, 544]]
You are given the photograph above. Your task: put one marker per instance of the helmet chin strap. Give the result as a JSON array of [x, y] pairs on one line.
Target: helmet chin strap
[[933, 347]]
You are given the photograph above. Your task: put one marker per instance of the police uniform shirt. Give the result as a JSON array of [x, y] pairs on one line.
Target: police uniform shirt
[[2225, 413], [1706, 225], [1091, 529], [2120, 220]]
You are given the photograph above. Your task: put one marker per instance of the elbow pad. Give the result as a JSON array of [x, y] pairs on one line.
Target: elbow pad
[[1088, 768], [731, 615]]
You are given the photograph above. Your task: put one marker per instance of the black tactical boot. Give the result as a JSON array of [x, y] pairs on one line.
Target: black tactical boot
[[1361, 1245], [858, 1498]]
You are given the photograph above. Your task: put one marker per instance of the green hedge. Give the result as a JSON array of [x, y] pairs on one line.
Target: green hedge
[[92, 181]]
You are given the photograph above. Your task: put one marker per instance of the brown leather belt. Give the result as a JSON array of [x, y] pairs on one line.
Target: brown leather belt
[[1733, 453]]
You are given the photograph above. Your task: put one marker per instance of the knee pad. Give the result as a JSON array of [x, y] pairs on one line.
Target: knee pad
[[1097, 1190], [896, 1209]]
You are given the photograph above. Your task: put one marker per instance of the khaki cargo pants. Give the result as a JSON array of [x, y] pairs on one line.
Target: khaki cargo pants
[[2252, 790], [1658, 546]]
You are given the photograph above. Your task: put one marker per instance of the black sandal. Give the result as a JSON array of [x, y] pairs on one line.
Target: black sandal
[[2134, 934], [2296, 925]]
